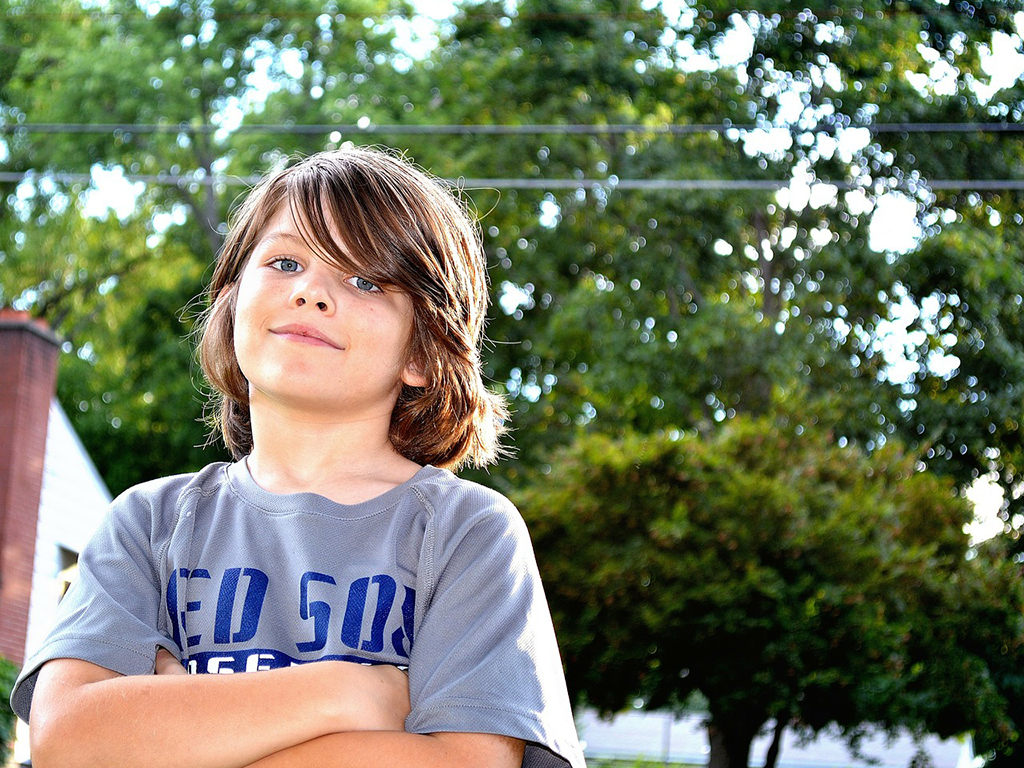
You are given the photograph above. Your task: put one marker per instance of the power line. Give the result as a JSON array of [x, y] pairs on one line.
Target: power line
[[685, 185], [714, 185], [784, 10], [493, 129]]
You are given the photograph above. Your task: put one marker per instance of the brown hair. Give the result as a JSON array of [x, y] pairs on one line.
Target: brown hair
[[405, 232]]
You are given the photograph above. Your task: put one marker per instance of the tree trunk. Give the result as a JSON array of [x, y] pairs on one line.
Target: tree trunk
[[773, 751], [730, 744]]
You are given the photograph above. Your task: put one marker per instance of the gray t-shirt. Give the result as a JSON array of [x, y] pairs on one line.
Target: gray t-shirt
[[437, 574]]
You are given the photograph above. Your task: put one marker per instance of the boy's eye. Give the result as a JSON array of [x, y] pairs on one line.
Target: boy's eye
[[363, 284], [287, 265]]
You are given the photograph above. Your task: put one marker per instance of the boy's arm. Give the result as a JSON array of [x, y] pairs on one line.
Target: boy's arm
[[85, 715], [352, 749], [386, 749]]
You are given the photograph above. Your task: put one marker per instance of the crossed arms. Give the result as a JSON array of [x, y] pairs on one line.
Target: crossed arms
[[332, 714]]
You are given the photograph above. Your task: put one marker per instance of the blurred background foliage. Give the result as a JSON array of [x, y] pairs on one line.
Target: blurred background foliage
[[8, 674], [747, 408]]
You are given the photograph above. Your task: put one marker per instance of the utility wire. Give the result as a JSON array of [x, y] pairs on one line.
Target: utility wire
[[783, 10], [182, 180], [504, 129]]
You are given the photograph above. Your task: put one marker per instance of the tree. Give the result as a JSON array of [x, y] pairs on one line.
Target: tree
[[8, 674], [679, 308], [784, 577]]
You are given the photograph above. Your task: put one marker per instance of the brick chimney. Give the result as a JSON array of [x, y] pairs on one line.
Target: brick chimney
[[28, 380]]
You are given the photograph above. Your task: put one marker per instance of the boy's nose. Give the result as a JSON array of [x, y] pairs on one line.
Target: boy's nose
[[321, 305], [313, 291]]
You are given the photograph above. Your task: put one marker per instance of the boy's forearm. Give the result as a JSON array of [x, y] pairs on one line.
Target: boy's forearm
[[387, 749], [203, 721], [156, 721]]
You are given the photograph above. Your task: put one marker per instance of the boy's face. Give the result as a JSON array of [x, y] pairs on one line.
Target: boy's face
[[310, 336]]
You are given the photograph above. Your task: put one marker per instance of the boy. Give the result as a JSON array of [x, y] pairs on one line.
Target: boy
[[343, 339]]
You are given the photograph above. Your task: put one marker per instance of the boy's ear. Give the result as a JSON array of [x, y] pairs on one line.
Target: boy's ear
[[226, 295], [223, 292], [413, 375]]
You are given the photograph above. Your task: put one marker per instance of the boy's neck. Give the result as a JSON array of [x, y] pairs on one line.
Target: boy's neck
[[347, 461]]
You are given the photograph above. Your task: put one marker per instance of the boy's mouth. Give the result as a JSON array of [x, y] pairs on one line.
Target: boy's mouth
[[304, 334]]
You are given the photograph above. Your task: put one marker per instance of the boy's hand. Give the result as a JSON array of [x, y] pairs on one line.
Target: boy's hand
[[383, 691], [166, 664], [360, 697]]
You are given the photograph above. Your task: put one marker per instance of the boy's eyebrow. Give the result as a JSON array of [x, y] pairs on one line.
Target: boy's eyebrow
[[285, 237], [276, 237]]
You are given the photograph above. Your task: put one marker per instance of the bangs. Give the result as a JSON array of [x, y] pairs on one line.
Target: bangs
[[351, 223]]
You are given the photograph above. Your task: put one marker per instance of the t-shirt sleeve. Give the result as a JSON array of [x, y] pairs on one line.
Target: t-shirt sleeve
[[484, 658], [110, 614]]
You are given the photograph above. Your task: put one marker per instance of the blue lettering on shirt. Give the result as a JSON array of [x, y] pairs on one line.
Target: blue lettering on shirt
[[255, 660], [179, 619], [318, 609], [385, 598], [403, 635], [319, 595], [257, 590]]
